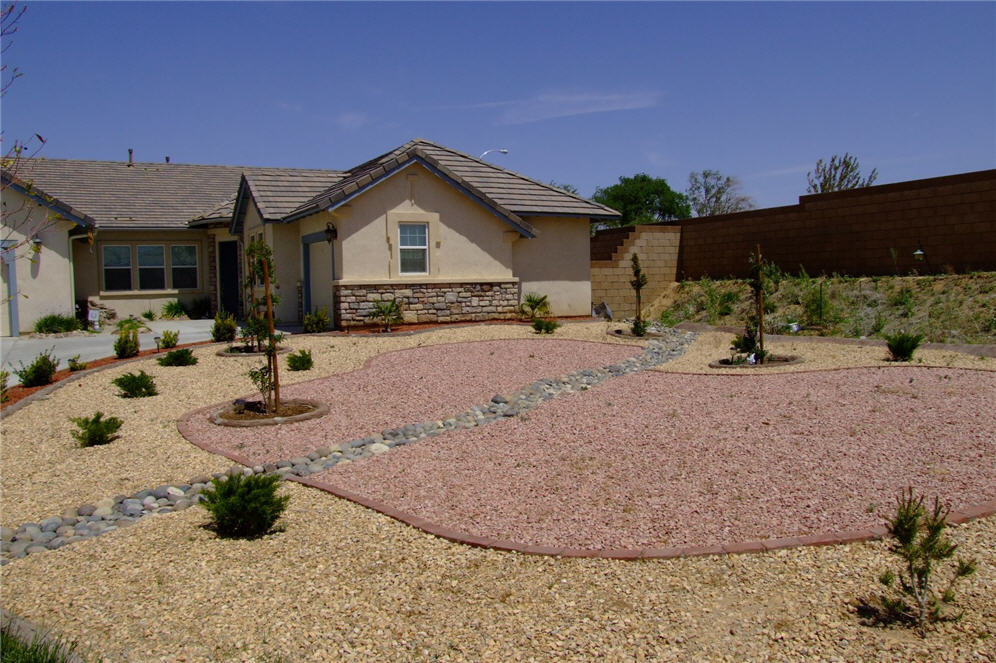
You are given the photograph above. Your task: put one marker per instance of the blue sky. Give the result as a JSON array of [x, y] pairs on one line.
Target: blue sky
[[580, 93]]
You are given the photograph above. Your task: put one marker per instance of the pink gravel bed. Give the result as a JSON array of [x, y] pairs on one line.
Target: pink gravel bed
[[658, 460], [405, 387]]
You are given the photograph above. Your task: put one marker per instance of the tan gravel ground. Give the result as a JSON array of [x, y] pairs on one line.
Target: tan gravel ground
[[341, 582]]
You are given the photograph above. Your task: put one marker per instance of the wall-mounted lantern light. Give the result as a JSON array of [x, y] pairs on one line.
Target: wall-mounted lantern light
[[330, 233], [919, 254]]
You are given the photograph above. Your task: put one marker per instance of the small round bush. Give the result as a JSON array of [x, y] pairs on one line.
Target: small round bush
[[135, 386], [95, 430], [300, 360], [40, 371], [169, 338], [182, 357], [317, 322], [126, 344], [244, 507], [224, 328]]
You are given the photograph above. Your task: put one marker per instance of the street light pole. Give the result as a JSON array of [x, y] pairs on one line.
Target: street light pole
[[486, 152]]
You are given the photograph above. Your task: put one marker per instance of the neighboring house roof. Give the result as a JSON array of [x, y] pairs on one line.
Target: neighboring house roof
[[117, 195]]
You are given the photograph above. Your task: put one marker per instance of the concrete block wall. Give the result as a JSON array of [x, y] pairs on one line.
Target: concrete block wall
[[657, 247]]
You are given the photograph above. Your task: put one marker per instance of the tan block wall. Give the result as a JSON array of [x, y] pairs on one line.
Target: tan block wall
[[657, 247]]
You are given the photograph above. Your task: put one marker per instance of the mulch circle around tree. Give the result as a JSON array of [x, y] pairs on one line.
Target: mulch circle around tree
[[770, 362], [243, 413]]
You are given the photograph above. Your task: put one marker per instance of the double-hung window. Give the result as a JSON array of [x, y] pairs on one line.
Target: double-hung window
[[413, 247], [183, 265], [117, 267], [151, 267]]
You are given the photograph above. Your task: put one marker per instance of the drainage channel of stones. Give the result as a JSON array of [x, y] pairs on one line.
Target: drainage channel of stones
[[90, 520]]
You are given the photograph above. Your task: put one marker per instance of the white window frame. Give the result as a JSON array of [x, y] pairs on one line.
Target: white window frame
[[196, 266], [140, 267], [412, 247], [104, 268]]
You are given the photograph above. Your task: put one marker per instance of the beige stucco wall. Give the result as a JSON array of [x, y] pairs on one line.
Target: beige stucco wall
[[44, 279], [555, 263], [465, 240], [89, 279]]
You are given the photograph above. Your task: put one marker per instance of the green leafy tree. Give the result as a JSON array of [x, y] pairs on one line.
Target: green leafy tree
[[838, 174], [644, 199], [710, 192], [569, 188]]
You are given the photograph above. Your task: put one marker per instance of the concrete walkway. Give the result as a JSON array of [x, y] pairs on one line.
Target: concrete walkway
[[92, 346]]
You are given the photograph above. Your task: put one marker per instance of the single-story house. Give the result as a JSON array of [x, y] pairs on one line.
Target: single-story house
[[449, 236]]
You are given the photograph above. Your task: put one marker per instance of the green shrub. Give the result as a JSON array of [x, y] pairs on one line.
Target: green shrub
[[126, 344], [182, 357], [300, 360], [224, 328], [39, 649], [639, 327], [200, 308], [4, 376], [534, 305], [75, 364], [95, 430], [903, 299], [149, 315], [135, 386], [902, 345], [173, 309], [255, 331], [56, 324], [388, 312], [244, 507], [40, 371], [545, 326], [317, 322], [919, 542], [169, 338]]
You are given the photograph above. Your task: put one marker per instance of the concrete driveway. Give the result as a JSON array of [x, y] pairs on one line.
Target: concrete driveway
[[14, 351]]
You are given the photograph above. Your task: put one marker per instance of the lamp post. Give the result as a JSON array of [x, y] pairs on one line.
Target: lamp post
[[486, 152]]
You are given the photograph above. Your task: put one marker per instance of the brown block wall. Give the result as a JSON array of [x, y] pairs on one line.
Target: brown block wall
[[952, 219], [657, 247]]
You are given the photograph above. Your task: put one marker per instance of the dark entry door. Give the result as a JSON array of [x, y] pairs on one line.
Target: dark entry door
[[228, 276]]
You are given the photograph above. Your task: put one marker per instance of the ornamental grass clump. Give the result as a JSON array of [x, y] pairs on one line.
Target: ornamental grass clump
[[545, 326], [244, 507], [182, 357], [40, 371], [919, 542], [56, 323], [95, 430], [316, 322], [140, 385], [169, 338], [174, 309], [76, 365], [902, 345], [300, 360]]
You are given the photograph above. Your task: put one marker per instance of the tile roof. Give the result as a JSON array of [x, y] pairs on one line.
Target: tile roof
[[118, 195], [155, 195], [510, 193]]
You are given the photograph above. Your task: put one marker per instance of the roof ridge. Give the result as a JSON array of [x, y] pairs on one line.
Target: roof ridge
[[161, 164]]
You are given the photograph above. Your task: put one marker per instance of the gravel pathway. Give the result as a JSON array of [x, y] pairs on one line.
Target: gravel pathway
[[653, 460]]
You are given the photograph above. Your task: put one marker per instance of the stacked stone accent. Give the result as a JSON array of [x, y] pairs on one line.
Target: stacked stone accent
[[430, 302]]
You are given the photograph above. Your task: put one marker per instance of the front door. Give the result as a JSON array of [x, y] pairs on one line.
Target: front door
[[228, 277]]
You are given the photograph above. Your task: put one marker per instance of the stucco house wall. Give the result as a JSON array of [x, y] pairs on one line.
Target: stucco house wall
[[35, 273], [549, 264]]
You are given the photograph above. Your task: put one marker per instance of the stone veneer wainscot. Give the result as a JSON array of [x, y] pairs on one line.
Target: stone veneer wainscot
[[430, 302]]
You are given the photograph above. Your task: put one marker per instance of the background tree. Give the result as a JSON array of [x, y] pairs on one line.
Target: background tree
[[644, 199], [569, 188], [838, 174], [710, 192]]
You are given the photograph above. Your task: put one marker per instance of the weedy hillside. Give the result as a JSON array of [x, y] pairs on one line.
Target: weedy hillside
[[945, 309]]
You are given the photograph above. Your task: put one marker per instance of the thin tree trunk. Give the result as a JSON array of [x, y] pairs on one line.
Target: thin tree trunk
[[273, 357]]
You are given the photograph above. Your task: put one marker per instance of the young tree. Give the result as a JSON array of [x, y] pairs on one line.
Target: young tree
[[638, 283], [643, 199], [838, 174], [710, 192]]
